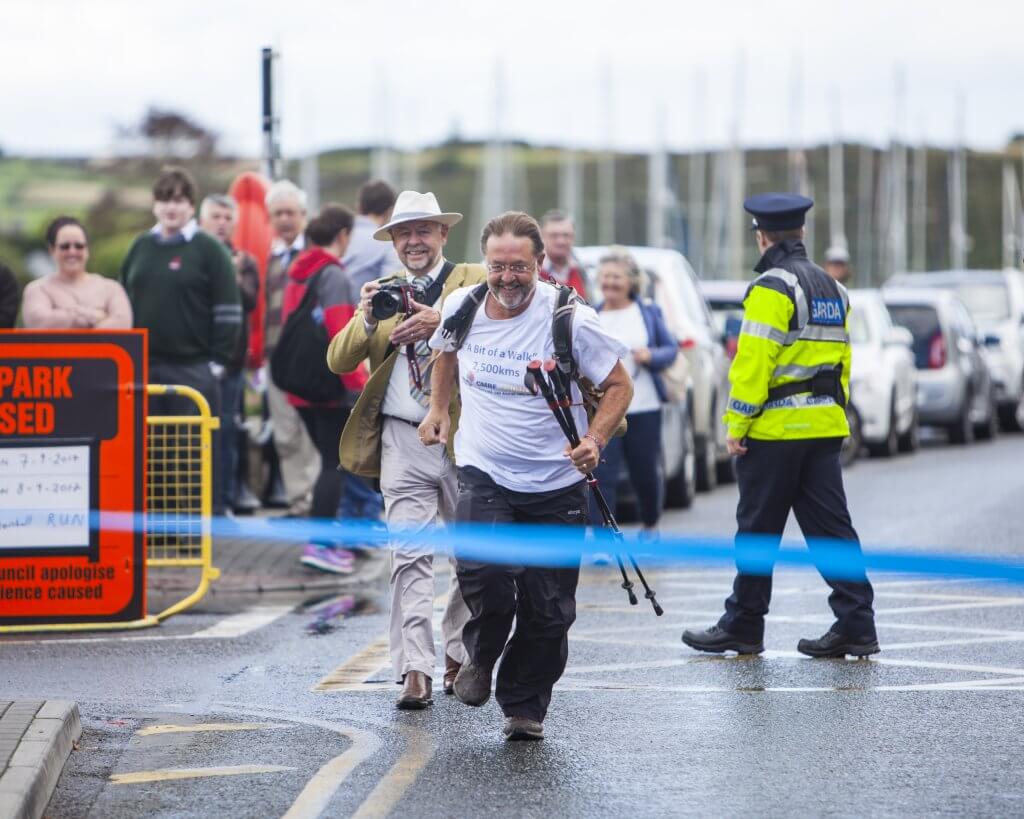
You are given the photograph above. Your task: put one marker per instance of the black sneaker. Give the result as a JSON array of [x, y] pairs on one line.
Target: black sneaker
[[472, 685], [717, 640], [831, 644]]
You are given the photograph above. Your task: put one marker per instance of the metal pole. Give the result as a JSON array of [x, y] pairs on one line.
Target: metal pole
[[270, 120]]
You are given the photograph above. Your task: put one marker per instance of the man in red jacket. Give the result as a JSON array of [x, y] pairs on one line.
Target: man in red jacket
[[560, 266]]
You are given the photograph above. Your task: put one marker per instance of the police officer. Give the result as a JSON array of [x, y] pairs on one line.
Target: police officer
[[786, 420]]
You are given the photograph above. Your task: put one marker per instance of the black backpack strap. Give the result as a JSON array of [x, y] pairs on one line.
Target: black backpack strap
[[561, 329], [456, 326]]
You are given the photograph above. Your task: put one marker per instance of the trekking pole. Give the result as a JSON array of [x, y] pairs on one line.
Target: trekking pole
[[535, 380], [560, 380]]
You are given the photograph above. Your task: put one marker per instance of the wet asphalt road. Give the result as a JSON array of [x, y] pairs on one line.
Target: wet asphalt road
[[639, 725]]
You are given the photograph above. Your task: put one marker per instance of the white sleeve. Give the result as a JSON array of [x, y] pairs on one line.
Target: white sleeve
[[595, 351], [450, 305]]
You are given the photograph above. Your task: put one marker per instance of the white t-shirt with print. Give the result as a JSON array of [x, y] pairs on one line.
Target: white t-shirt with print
[[504, 430], [627, 325]]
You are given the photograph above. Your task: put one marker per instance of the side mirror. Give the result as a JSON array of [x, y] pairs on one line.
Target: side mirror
[[898, 336]]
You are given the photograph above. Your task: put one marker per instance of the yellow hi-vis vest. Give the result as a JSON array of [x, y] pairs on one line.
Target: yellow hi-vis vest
[[795, 325]]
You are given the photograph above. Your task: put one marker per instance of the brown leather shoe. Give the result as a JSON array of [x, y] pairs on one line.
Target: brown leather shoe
[[415, 694], [451, 668]]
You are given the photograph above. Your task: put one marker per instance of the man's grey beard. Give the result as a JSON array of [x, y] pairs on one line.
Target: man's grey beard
[[520, 295]]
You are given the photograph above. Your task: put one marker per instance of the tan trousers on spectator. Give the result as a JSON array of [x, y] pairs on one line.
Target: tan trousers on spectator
[[300, 462], [419, 486]]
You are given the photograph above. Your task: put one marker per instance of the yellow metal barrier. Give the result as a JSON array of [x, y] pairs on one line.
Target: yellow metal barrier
[[179, 491], [179, 500]]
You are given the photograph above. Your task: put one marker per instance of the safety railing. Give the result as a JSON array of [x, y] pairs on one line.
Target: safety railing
[[179, 492]]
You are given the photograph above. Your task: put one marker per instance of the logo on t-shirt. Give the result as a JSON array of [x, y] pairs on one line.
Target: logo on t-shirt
[[175, 263]]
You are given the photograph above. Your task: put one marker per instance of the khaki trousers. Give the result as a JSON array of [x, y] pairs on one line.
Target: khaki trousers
[[300, 462], [419, 486]]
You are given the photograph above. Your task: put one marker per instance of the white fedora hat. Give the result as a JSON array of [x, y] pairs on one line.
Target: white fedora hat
[[413, 206]]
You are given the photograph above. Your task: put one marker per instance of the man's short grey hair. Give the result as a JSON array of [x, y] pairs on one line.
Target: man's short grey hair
[[284, 189], [219, 200], [556, 215]]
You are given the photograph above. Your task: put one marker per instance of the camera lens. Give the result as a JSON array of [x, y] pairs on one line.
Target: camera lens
[[384, 304]]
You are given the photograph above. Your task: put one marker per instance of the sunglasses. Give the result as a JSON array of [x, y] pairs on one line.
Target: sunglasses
[[69, 245]]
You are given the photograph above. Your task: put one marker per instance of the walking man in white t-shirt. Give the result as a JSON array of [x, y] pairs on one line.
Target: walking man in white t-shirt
[[514, 467]]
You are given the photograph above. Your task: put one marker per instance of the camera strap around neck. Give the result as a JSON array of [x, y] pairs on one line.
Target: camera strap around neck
[[431, 294]]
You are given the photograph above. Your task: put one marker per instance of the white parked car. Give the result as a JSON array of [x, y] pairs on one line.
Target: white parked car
[[995, 300], [688, 317], [883, 381]]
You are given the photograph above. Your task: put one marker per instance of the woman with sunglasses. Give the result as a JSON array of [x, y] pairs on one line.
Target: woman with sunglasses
[[71, 297]]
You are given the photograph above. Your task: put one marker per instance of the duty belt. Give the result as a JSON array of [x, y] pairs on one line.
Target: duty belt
[[825, 383]]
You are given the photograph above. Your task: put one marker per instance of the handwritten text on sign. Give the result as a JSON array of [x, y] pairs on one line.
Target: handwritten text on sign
[[44, 497]]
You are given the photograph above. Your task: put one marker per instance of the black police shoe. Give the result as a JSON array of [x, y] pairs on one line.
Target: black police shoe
[[831, 644], [716, 640]]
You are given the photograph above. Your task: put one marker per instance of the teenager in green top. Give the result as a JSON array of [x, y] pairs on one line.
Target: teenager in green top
[[181, 283]]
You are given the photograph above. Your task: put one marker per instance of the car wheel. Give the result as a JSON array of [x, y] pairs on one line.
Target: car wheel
[[890, 445], [1010, 416], [910, 441], [854, 441], [707, 476], [681, 488], [961, 431], [988, 429], [726, 470]]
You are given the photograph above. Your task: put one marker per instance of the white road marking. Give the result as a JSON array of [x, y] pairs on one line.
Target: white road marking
[[236, 625], [166, 774], [242, 623], [207, 726]]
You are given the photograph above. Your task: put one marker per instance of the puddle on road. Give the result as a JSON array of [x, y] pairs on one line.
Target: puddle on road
[[328, 612]]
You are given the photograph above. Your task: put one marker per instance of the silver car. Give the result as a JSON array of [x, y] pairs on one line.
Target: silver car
[[690, 320], [995, 300], [954, 387]]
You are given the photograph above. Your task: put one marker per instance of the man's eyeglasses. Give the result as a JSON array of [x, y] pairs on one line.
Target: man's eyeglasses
[[69, 245], [516, 268]]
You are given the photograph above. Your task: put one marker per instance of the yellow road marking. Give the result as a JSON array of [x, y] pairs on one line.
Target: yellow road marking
[[396, 782], [357, 669], [206, 726], [166, 774]]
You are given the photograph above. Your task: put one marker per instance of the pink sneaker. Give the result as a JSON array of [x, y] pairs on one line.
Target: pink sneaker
[[328, 559]]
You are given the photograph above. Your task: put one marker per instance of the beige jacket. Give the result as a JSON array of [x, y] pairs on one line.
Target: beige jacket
[[359, 449]]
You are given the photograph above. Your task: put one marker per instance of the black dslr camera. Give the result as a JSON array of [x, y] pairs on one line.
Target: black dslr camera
[[395, 296]]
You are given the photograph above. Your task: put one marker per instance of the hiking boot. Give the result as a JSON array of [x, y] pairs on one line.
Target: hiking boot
[[246, 503], [833, 644], [327, 559], [522, 728], [717, 640], [472, 685]]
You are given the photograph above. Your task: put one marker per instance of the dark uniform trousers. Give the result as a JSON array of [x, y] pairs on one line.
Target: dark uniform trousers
[[805, 476], [541, 601]]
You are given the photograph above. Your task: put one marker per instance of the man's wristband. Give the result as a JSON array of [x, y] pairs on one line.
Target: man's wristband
[[596, 439]]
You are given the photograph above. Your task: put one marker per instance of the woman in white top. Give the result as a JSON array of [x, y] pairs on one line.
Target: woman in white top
[[71, 297], [639, 325]]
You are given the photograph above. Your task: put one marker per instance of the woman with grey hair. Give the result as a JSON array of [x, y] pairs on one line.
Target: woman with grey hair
[[638, 324]]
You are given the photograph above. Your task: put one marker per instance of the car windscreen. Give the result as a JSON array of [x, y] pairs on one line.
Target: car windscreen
[[987, 303], [727, 315], [923, 323]]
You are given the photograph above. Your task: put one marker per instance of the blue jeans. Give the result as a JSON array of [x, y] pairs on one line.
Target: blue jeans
[[359, 501], [232, 387], [640, 446]]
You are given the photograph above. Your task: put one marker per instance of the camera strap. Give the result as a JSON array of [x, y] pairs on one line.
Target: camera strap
[[431, 294]]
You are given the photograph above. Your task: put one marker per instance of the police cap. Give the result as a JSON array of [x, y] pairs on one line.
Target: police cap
[[778, 211]]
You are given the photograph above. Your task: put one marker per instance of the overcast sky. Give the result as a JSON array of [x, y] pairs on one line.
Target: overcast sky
[[355, 71]]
